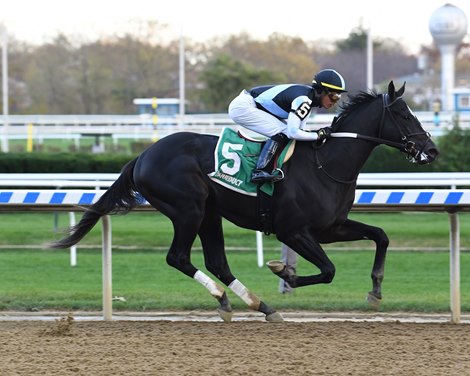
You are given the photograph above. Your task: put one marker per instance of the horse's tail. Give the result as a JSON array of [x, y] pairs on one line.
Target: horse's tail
[[120, 198]]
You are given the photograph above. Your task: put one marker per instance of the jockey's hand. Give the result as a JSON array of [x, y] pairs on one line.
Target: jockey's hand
[[324, 133]]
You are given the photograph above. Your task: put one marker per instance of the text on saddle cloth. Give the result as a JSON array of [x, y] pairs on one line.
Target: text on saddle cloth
[[235, 158]]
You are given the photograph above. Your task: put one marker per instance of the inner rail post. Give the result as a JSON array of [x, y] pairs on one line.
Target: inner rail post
[[454, 267], [107, 269]]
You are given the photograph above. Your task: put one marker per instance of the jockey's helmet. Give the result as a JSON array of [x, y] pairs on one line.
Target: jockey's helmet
[[328, 80]]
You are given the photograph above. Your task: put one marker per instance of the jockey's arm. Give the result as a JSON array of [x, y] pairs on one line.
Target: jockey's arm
[[300, 109]]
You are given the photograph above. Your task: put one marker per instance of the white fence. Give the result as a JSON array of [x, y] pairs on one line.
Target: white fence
[[57, 180], [446, 119], [116, 127]]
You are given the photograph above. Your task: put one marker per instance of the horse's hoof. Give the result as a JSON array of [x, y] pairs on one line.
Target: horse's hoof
[[276, 266], [225, 315], [373, 301], [274, 317]]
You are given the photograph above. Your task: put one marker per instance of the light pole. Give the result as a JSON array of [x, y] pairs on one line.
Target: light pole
[[4, 36], [370, 60], [181, 75]]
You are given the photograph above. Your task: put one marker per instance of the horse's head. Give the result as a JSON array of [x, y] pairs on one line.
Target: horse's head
[[400, 126], [386, 119]]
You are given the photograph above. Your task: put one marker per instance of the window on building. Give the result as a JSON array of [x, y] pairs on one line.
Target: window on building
[[464, 101]]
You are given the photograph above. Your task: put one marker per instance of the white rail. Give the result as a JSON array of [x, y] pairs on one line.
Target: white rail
[[58, 180], [104, 180], [116, 127], [446, 119]]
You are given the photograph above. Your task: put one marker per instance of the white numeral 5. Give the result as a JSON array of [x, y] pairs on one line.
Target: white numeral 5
[[234, 157]]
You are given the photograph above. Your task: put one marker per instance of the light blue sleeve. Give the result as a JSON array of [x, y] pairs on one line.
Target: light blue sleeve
[[300, 109]]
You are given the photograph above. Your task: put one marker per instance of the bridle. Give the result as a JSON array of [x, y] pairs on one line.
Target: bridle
[[406, 145]]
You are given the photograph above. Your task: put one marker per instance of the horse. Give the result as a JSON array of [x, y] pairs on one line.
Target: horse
[[309, 206]]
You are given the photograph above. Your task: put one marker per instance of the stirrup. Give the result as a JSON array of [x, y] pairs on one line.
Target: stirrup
[[266, 177], [278, 177], [260, 176]]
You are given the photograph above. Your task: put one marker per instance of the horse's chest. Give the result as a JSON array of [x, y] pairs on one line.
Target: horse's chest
[[332, 207]]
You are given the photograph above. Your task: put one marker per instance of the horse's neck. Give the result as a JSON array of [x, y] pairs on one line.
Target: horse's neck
[[345, 157], [365, 123]]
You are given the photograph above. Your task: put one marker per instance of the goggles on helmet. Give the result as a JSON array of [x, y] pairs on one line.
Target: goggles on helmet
[[334, 96]]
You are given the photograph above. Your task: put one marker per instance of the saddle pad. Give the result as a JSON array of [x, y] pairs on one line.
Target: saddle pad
[[235, 158]]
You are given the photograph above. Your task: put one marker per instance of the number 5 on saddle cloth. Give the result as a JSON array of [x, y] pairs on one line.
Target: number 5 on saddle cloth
[[235, 158]]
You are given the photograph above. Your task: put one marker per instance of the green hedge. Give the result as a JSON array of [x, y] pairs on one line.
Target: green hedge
[[383, 159], [454, 155], [62, 162], [387, 159]]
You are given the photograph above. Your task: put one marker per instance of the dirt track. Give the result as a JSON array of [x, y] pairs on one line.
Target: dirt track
[[68, 347]]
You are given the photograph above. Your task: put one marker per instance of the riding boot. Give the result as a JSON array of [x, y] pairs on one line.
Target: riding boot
[[264, 167]]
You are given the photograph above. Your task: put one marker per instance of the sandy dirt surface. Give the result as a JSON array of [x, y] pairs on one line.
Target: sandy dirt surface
[[67, 346]]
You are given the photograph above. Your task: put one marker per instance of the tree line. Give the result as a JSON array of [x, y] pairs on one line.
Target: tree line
[[66, 76]]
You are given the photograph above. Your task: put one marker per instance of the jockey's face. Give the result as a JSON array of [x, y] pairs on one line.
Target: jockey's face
[[329, 99]]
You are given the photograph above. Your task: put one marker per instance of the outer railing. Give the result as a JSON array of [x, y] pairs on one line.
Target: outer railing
[[446, 119], [116, 127]]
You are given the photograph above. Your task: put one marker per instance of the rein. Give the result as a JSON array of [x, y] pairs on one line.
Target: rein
[[396, 145], [320, 167]]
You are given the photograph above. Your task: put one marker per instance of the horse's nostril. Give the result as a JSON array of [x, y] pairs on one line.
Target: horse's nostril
[[430, 155], [433, 152]]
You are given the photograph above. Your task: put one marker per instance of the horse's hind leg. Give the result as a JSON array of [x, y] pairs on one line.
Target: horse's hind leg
[[181, 196], [211, 235], [186, 226], [179, 257]]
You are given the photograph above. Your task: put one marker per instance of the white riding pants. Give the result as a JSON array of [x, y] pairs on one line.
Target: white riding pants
[[243, 111]]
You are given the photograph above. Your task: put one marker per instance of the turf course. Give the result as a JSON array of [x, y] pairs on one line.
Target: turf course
[[35, 279]]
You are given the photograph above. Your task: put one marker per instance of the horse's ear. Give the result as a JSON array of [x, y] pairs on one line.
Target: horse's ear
[[401, 90], [391, 91]]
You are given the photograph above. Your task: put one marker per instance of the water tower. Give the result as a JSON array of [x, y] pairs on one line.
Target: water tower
[[448, 26]]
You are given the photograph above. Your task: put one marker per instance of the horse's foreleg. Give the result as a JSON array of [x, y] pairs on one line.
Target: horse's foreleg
[[352, 230], [288, 273], [306, 245], [377, 275], [377, 235]]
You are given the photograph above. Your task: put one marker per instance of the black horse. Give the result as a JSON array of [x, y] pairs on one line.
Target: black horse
[[309, 207]]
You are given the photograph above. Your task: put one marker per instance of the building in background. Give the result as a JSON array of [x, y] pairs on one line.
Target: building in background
[[168, 107], [461, 99]]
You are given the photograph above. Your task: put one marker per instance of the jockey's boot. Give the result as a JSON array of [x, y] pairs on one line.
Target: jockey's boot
[[264, 167]]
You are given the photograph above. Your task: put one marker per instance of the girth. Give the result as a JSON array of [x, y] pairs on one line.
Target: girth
[[264, 212]]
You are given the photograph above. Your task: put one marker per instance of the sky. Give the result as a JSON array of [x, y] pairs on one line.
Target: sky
[[407, 21]]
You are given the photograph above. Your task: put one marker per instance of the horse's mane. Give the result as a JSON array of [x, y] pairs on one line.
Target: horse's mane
[[357, 100]]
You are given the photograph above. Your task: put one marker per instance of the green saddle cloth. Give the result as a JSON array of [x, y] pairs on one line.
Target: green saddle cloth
[[235, 159]]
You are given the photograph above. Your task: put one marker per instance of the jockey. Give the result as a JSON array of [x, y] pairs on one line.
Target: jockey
[[280, 112]]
